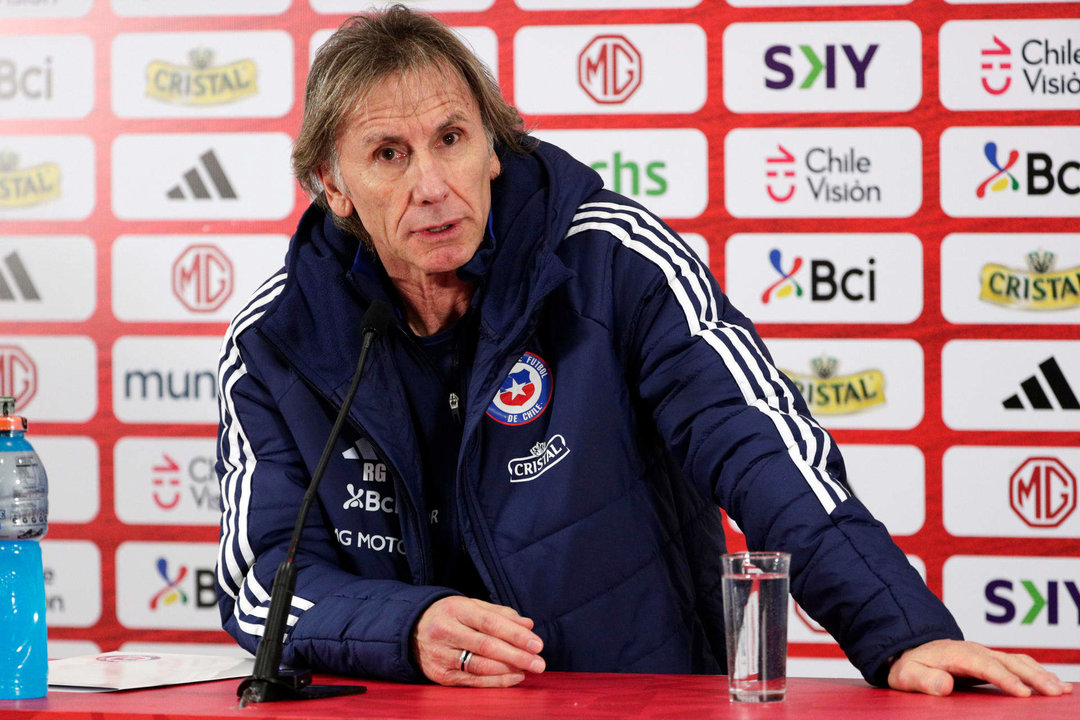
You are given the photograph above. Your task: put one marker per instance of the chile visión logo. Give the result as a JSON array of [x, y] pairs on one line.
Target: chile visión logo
[[524, 394]]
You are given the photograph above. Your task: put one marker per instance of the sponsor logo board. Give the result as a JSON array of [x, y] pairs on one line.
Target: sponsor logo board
[[44, 8], [193, 278], [1010, 171], [604, 69], [1031, 602], [482, 40], [71, 464], [354, 6], [820, 278], [1011, 491], [46, 76], [890, 480], [665, 170], [812, 3], [72, 582], [165, 379], [822, 66], [604, 4], [826, 172], [1009, 64], [234, 176], [1006, 278], [168, 8], [166, 481], [1011, 384], [46, 177], [52, 378], [202, 74], [166, 585], [47, 277], [855, 383]]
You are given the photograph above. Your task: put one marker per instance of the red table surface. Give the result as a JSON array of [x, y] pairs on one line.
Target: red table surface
[[551, 696]]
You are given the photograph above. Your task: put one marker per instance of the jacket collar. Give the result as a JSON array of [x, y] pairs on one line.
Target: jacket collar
[[331, 281]]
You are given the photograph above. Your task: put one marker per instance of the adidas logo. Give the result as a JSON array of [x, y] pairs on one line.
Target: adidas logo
[[1036, 395], [193, 181], [13, 273]]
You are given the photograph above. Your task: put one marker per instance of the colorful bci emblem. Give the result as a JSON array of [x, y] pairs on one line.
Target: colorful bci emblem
[[524, 394]]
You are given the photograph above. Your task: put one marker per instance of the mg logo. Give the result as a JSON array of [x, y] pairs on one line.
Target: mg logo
[[202, 278], [1042, 492], [18, 375], [609, 69]]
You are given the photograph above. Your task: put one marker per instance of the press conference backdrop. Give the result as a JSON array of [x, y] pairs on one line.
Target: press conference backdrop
[[890, 190]]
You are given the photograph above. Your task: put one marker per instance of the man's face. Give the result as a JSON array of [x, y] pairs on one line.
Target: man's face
[[416, 165]]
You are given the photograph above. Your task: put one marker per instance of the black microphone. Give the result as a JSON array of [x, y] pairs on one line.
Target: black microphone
[[267, 682]]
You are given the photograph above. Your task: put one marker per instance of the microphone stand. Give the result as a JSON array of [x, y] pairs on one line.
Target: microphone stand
[[269, 682]]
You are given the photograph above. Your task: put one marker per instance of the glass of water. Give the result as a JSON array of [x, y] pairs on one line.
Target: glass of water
[[755, 615]]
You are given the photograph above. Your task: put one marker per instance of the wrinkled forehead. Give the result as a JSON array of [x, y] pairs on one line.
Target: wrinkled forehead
[[411, 92]]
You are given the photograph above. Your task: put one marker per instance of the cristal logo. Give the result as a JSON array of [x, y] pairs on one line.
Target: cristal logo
[[20, 188], [996, 64], [1008, 600], [1042, 492], [609, 69], [18, 375], [202, 278], [780, 171], [828, 393], [172, 593], [200, 82], [787, 284], [777, 60], [1002, 179]]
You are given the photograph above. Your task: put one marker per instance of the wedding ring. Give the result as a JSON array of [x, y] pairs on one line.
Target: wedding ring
[[463, 660]]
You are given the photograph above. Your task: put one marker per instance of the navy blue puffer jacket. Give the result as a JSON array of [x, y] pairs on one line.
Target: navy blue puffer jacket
[[593, 510]]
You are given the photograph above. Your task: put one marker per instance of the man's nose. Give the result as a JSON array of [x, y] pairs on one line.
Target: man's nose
[[429, 179]]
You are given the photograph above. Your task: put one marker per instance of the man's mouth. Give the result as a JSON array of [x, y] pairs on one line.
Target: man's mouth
[[439, 228]]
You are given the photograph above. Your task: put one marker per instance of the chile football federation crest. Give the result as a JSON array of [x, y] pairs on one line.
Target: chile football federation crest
[[524, 394]]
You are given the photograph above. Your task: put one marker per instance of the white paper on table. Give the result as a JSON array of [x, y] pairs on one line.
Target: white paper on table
[[111, 671]]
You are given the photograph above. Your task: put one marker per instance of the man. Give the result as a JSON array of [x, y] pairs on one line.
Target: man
[[530, 471]]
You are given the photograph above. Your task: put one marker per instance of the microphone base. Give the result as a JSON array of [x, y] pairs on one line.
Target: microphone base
[[290, 685]]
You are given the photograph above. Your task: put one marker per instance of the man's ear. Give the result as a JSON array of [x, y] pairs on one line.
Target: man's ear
[[336, 195]]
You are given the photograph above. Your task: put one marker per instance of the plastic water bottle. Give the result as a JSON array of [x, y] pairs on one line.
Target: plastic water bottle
[[24, 513]]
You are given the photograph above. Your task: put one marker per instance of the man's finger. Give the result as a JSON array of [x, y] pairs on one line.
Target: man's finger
[[913, 676]]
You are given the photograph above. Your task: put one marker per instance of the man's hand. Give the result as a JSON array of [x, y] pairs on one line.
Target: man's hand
[[502, 643], [931, 669]]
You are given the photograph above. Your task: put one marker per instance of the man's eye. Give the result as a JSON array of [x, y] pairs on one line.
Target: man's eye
[[450, 138], [387, 154]]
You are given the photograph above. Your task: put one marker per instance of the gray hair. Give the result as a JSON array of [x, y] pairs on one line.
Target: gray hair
[[365, 50]]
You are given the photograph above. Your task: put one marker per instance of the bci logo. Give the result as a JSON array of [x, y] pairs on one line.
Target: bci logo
[[778, 58], [202, 278], [18, 375], [1044, 174], [33, 82], [1034, 600], [178, 590], [856, 283]]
